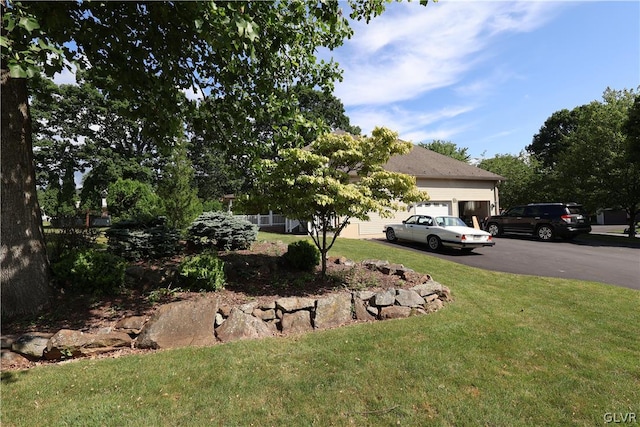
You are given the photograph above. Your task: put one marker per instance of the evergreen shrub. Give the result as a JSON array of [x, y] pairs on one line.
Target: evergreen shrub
[[202, 272], [302, 255], [136, 240], [222, 231], [90, 270]]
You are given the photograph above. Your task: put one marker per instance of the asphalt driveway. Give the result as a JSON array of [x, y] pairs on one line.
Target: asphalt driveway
[[582, 259]]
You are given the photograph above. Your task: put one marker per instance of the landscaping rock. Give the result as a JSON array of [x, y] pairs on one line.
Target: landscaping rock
[[66, 344], [296, 322], [333, 311], [434, 305], [131, 325], [14, 360], [240, 326], [31, 345], [181, 324], [394, 312], [408, 298], [361, 310], [295, 303], [385, 298]]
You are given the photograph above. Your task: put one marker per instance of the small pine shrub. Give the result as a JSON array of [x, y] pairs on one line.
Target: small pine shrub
[[202, 272], [134, 240], [90, 270], [302, 255], [222, 231]]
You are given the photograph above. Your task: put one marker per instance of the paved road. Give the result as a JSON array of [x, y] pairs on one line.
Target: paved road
[[579, 259]]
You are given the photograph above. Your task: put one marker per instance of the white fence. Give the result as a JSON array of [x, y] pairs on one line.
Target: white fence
[[271, 220], [268, 220]]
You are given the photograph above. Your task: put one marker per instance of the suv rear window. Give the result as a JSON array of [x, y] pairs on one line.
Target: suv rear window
[[574, 209]]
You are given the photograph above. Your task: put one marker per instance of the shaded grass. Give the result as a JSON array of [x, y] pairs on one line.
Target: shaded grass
[[511, 350]]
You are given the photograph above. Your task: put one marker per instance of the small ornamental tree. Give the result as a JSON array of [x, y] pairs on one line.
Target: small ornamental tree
[[334, 179]]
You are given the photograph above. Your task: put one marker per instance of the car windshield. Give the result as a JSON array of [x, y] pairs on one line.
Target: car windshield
[[450, 221]]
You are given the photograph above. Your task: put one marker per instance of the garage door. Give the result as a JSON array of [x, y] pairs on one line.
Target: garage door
[[376, 224], [433, 208]]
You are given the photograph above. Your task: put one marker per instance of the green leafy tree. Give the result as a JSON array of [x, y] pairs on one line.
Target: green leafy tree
[[179, 196], [631, 129], [522, 184], [244, 55], [336, 178], [134, 200], [77, 126], [595, 167], [447, 148], [325, 110], [551, 141]]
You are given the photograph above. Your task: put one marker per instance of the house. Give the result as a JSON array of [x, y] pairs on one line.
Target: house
[[454, 187]]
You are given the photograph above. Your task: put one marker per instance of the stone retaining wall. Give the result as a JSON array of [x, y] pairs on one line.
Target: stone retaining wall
[[205, 321]]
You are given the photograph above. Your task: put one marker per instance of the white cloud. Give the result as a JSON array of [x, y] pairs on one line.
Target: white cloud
[[66, 77], [412, 49], [193, 94], [420, 70]]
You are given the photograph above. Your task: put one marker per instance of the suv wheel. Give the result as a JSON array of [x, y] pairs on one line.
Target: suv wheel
[[544, 232], [494, 229]]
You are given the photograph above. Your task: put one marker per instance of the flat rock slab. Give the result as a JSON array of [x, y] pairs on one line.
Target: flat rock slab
[[181, 324], [66, 344]]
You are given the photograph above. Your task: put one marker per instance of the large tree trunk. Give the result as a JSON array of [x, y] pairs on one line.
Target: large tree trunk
[[23, 259]]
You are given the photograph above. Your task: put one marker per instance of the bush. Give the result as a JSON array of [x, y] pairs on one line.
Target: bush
[[203, 271], [129, 198], [143, 239], [302, 255], [222, 231], [67, 239], [90, 270]]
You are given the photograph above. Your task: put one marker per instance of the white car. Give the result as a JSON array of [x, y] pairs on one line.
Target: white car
[[439, 231]]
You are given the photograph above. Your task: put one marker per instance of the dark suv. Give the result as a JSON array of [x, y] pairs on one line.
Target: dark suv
[[543, 220]]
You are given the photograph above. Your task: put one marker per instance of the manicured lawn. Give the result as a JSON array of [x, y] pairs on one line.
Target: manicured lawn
[[510, 350]]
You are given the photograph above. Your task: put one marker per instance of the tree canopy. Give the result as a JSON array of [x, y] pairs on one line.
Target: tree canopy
[[336, 178], [447, 148], [241, 58], [521, 184]]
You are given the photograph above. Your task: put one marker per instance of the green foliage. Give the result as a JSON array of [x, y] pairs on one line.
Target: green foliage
[[523, 182], [448, 148], [336, 178], [202, 272], [179, 196], [142, 240], [90, 270], [68, 239], [212, 205], [631, 129], [133, 200], [302, 255], [222, 231]]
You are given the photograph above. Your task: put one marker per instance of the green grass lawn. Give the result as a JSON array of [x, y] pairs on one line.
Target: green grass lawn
[[510, 350]]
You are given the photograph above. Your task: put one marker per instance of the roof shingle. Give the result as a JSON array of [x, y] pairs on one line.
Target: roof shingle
[[423, 163]]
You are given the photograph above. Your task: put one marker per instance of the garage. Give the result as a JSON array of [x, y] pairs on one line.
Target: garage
[[432, 208]]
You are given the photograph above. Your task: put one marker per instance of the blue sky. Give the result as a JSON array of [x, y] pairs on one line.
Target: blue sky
[[485, 75]]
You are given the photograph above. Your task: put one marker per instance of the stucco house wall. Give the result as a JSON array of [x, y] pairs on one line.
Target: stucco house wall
[[454, 187]]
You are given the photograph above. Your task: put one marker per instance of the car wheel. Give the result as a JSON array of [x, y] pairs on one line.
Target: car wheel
[[391, 235], [434, 243], [544, 232], [494, 229]]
